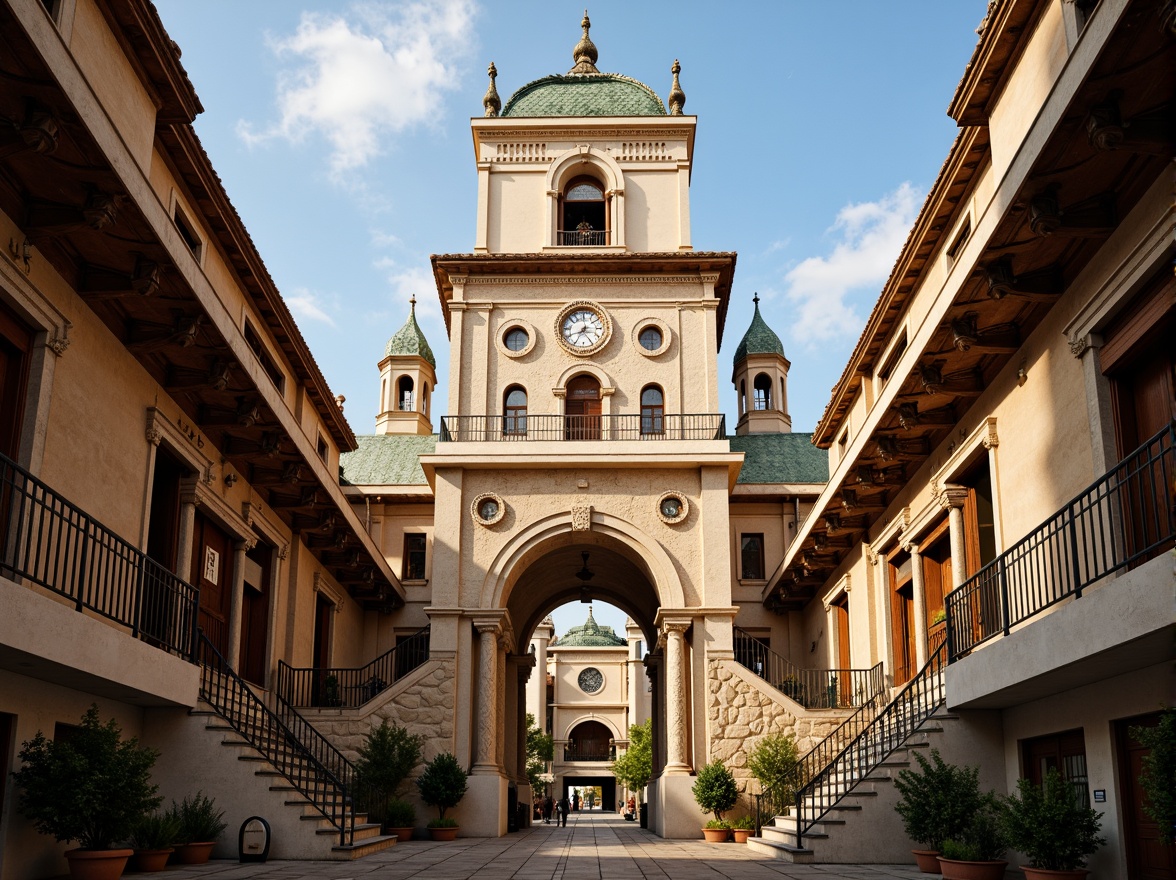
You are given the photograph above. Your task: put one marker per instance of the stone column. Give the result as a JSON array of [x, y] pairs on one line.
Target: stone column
[[236, 603], [488, 722], [523, 671], [952, 498], [920, 597], [502, 684], [676, 697], [652, 665], [184, 548]]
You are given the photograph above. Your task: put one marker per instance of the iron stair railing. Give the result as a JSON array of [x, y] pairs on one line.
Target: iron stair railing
[[812, 688], [820, 782], [1125, 517], [291, 744], [47, 540], [350, 687]]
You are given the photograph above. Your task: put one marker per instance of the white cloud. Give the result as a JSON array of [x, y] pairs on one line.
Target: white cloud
[[305, 304], [407, 282], [870, 236], [358, 78]]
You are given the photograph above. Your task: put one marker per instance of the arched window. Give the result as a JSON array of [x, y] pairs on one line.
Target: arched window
[[763, 391], [742, 396], [514, 417], [584, 214], [404, 394], [425, 398], [653, 410]]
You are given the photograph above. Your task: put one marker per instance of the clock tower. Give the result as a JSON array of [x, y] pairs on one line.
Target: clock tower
[[583, 406]]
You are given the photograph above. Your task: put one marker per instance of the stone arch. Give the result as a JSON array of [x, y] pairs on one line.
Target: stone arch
[[601, 720], [583, 369], [581, 160], [556, 531]]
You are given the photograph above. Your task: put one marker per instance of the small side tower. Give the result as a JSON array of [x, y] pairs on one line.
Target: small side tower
[[407, 379], [761, 380]]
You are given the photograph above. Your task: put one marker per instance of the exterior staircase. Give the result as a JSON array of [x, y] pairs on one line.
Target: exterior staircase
[[296, 766], [845, 784]]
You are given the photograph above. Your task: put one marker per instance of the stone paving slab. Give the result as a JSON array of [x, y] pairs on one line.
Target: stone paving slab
[[593, 846]]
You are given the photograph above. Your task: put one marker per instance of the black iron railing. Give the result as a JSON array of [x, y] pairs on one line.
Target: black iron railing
[[590, 752], [850, 754], [583, 237], [681, 426], [1123, 519], [350, 687], [290, 743], [812, 688], [48, 541]]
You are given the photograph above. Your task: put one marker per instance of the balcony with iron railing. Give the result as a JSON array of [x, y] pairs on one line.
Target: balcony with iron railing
[[590, 752], [582, 237], [49, 542], [1124, 519], [523, 428]]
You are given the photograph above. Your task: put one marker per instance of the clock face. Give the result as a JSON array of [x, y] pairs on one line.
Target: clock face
[[583, 328], [591, 680]]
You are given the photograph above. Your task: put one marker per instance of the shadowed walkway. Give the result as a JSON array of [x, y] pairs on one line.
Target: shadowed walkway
[[593, 846]]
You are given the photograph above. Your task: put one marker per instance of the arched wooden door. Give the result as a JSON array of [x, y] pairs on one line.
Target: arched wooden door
[[582, 409]]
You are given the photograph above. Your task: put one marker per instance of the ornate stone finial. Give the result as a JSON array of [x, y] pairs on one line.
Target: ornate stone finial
[[755, 298], [412, 304], [585, 54], [677, 96], [491, 101]]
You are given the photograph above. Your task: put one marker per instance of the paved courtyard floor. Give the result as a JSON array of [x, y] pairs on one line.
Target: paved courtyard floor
[[593, 846]]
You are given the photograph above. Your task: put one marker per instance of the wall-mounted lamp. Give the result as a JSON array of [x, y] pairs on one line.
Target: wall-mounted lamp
[[1022, 376], [230, 479]]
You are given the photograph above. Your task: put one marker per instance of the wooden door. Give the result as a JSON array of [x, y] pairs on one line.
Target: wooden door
[[844, 679], [255, 615], [212, 574], [15, 343], [1147, 857], [582, 409], [902, 617]]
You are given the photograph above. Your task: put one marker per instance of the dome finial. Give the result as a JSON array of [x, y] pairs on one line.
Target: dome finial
[[755, 299], [585, 54], [491, 101], [677, 96]]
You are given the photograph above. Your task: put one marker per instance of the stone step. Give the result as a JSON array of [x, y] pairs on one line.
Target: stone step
[[367, 847], [785, 852]]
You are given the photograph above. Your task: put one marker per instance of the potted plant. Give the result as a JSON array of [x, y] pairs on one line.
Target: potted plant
[[715, 792], [978, 853], [399, 819], [389, 753], [1158, 771], [742, 828], [91, 787], [1051, 828], [442, 785], [152, 841], [201, 823], [936, 804]]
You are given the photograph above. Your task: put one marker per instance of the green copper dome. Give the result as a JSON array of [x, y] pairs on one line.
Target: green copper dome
[[591, 635], [409, 340], [759, 338], [585, 94]]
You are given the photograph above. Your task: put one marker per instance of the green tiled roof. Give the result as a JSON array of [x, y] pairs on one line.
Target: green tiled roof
[[585, 94], [410, 340], [590, 635], [387, 459], [759, 339], [781, 458]]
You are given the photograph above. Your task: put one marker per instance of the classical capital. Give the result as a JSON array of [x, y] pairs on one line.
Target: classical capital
[[154, 435], [675, 626], [952, 496]]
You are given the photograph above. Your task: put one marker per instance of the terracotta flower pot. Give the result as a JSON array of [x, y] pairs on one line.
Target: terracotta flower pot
[[403, 835], [147, 861], [716, 835], [97, 864], [194, 853], [957, 869], [1047, 874], [741, 834], [927, 860], [443, 833]]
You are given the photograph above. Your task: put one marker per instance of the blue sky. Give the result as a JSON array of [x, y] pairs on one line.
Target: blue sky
[[341, 132]]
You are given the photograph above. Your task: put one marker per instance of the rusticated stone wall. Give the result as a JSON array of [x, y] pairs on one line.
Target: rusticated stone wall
[[422, 705], [742, 710]]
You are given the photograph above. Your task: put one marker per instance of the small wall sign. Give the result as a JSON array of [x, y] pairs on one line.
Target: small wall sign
[[1100, 795], [211, 565]]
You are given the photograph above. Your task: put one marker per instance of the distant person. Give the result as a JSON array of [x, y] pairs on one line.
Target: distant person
[[564, 808], [576, 802], [547, 806]]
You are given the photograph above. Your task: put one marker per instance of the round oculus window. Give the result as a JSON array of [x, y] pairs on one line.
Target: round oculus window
[[516, 339], [650, 338], [672, 508], [487, 509], [591, 681]]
